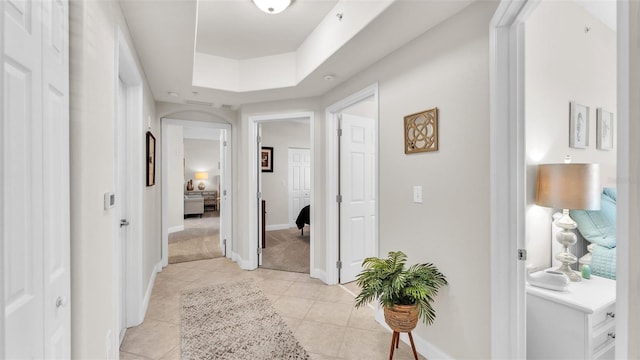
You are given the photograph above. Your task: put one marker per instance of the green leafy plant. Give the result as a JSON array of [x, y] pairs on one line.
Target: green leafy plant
[[392, 284]]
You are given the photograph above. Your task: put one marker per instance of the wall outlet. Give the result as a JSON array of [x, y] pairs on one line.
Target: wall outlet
[[417, 194]]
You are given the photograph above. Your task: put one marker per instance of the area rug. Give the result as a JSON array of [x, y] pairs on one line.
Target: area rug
[[234, 321], [199, 240], [287, 250]]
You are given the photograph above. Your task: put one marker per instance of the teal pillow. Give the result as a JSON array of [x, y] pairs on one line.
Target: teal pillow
[[599, 226], [610, 192]]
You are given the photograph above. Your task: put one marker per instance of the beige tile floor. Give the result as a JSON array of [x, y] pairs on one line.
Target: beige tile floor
[[321, 317]]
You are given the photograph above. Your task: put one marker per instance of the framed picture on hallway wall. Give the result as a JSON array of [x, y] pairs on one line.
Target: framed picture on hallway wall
[[578, 126], [266, 159], [604, 129], [151, 159]]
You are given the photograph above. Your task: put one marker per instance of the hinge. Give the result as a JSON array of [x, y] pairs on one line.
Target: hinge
[[339, 264], [224, 192], [259, 250], [522, 254], [339, 132], [259, 139], [224, 143], [259, 195], [224, 242], [339, 199]]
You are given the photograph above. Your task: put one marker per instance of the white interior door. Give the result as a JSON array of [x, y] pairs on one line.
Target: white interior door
[[299, 182], [122, 211], [35, 179], [357, 187], [259, 194]]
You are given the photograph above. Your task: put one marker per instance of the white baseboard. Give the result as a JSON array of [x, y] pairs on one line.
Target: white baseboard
[[244, 264], [277, 227], [423, 347], [147, 295], [176, 229], [319, 274]]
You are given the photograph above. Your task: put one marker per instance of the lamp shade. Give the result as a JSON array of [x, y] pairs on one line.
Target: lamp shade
[[272, 6], [202, 175], [569, 186]]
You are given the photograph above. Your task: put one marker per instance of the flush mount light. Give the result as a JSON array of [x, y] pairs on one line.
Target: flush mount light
[[172, 93], [329, 77], [272, 6]]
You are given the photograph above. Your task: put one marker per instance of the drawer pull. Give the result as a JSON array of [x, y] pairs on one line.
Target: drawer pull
[[611, 335], [611, 314]]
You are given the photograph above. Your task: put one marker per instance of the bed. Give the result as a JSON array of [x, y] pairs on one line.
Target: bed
[[303, 218], [599, 229]]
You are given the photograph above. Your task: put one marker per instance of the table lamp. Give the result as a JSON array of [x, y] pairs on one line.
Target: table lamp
[[568, 187], [201, 176]]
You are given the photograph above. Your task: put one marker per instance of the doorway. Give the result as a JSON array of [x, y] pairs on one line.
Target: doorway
[[255, 171], [285, 187], [197, 216], [352, 184]]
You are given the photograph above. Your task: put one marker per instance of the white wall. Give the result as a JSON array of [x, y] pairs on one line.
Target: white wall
[[563, 63], [275, 185], [93, 80], [448, 68], [175, 178], [202, 155]]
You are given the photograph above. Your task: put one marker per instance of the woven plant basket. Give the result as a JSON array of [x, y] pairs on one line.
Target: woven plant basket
[[401, 318]]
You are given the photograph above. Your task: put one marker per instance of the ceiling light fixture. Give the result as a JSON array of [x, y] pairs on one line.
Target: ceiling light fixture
[[272, 6]]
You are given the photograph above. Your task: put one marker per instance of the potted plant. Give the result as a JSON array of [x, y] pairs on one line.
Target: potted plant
[[405, 294]]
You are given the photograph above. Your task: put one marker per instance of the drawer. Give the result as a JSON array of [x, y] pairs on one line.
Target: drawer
[[603, 337], [604, 315]]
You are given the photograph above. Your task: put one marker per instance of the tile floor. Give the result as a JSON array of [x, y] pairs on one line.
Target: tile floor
[[321, 317]]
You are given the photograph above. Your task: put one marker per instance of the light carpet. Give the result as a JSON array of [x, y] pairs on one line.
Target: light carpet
[[287, 250], [234, 321], [199, 240]]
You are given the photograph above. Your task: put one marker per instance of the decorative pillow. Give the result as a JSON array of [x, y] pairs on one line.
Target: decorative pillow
[[610, 192], [599, 226]]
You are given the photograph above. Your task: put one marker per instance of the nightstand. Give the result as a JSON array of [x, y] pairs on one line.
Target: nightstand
[[576, 324]]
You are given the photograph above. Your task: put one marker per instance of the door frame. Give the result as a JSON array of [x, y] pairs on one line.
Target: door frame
[[127, 70], [226, 219], [2, 200], [332, 170], [254, 203], [508, 307]]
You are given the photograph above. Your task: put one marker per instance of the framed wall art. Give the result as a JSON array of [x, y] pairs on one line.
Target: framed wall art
[[604, 129], [266, 159], [578, 126], [151, 159], [421, 132]]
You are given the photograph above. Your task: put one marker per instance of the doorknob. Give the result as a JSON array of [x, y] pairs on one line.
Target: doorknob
[[124, 222], [61, 302]]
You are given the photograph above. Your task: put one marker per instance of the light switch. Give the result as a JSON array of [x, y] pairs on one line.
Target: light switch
[[417, 194]]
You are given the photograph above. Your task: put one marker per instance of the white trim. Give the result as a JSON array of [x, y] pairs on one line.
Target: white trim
[[174, 229], [127, 70], [423, 347], [147, 295], [319, 274], [2, 199], [252, 148], [278, 227], [226, 221], [331, 176], [508, 307]]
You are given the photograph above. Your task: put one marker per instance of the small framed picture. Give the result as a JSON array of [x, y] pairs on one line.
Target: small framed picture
[[266, 159], [578, 126], [604, 129], [151, 159]]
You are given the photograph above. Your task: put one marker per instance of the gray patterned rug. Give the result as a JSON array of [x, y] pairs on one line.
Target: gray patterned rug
[[234, 321]]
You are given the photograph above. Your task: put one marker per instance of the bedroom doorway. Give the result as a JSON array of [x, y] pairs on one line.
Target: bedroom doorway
[[283, 181], [285, 187]]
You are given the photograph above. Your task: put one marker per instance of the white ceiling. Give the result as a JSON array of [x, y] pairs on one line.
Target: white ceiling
[[164, 35], [603, 10]]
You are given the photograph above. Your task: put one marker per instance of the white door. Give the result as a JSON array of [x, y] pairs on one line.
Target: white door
[[122, 210], [299, 182], [358, 235], [35, 179], [259, 194]]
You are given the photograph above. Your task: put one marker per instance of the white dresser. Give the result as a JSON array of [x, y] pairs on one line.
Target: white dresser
[[576, 324]]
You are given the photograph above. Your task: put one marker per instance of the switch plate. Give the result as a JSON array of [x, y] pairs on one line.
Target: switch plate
[[417, 194]]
